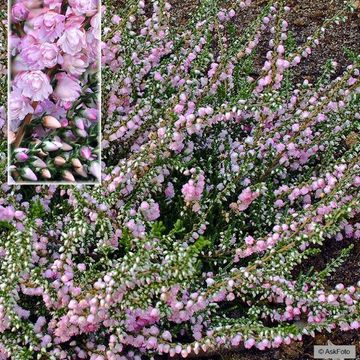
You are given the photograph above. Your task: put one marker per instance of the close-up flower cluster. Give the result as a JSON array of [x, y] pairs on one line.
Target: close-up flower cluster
[[54, 127], [226, 176]]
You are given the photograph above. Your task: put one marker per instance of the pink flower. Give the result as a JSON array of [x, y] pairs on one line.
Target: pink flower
[[93, 48], [33, 84], [53, 4], [158, 76], [50, 107], [67, 88], [91, 114], [31, 4], [246, 198], [50, 54], [24, 42], [150, 211], [32, 57], [18, 65], [19, 12], [19, 107], [48, 26], [84, 7], [249, 343], [85, 152], [73, 41], [192, 190], [74, 21], [75, 64], [95, 26], [7, 213]]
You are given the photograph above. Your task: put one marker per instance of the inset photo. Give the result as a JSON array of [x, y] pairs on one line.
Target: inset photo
[[54, 92]]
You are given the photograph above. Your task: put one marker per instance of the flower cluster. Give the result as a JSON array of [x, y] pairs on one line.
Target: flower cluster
[[53, 103], [222, 181]]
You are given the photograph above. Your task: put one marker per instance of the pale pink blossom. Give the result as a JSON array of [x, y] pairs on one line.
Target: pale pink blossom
[[84, 7], [47, 26], [19, 107], [67, 88], [33, 84], [93, 48], [85, 152], [75, 64], [50, 54], [53, 4], [95, 23], [73, 41], [19, 12], [246, 198], [91, 114], [32, 57], [23, 42]]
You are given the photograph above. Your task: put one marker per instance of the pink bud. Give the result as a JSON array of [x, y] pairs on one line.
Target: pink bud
[[45, 173], [51, 123], [95, 169], [80, 171], [76, 163], [21, 156], [59, 161], [85, 152], [29, 174], [38, 163], [66, 147], [64, 122], [80, 123], [68, 176]]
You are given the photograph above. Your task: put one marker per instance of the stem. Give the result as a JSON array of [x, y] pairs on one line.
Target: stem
[[21, 131]]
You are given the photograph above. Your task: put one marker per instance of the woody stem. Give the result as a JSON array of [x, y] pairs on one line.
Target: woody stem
[[21, 131]]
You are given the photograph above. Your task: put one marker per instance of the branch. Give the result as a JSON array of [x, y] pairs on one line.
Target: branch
[[21, 131]]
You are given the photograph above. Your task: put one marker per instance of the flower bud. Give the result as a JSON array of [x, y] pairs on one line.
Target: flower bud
[[45, 173], [80, 123], [81, 171], [66, 147], [51, 146], [64, 122], [76, 163], [68, 176], [22, 149], [85, 152], [91, 114], [95, 169], [38, 163], [21, 154], [51, 123], [59, 161], [28, 174], [81, 133]]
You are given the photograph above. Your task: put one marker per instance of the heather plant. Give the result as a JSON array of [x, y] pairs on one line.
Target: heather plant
[[53, 102], [217, 186]]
